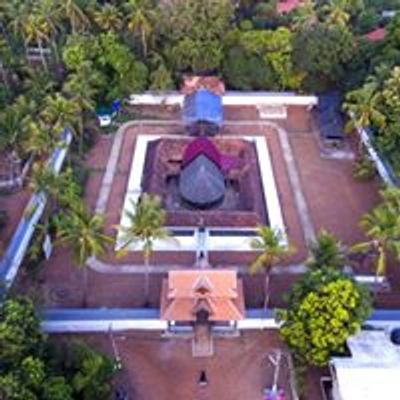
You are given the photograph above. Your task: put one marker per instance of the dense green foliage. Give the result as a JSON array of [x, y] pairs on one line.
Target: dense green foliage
[[30, 370], [382, 227], [95, 52], [322, 52], [326, 251], [377, 104], [325, 308]]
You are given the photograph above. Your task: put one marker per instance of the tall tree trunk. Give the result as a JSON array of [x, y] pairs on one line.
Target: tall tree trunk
[[266, 290], [144, 43], [4, 76], [85, 285], [55, 50], [80, 142], [42, 56], [26, 48], [147, 280]]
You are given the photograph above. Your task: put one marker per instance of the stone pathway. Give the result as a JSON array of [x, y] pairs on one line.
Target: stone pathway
[[301, 203], [202, 342], [105, 268]]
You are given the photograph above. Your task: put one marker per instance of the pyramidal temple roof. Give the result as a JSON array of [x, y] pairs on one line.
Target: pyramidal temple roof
[[201, 182], [185, 293]]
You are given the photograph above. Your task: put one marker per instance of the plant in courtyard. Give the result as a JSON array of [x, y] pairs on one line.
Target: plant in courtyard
[[82, 231], [146, 225], [382, 227], [364, 169], [326, 251], [325, 308], [271, 250]]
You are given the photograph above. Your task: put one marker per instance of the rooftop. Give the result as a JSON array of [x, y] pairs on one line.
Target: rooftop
[[376, 35], [372, 370], [285, 6], [185, 293], [203, 106]]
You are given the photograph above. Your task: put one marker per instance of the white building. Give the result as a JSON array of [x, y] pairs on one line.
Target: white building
[[372, 372]]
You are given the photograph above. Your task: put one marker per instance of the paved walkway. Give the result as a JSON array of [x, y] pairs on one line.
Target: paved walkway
[[301, 203], [104, 268]]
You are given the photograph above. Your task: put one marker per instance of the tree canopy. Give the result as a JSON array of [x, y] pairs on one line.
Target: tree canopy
[[325, 308], [30, 370]]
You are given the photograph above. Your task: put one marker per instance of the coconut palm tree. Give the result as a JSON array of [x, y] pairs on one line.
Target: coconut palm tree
[[37, 139], [305, 16], [382, 227], [83, 232], [15, 13], [38, 84], [76, 15], [327, 251], [146, 225], [61, 113], [12, 119], [139, 21], [108, 18], [363, 106], [37, 30], [82, 87], [271, 250], [337, 14], [50, 12], [61, 189]]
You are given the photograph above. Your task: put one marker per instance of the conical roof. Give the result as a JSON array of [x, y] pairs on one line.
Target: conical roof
[[201, 182]]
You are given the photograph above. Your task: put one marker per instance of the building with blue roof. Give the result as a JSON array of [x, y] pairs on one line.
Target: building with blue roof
[[203, 108]]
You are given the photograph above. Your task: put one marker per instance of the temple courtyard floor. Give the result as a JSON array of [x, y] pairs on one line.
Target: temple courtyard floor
[[332, 200], [155, 368]]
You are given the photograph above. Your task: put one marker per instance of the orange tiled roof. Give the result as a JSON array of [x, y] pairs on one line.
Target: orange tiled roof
[[192, 84], [186, 292], [285, 6], [376, 35]]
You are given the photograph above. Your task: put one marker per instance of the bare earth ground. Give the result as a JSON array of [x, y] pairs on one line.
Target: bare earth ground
[[164, 369], [14, 204]]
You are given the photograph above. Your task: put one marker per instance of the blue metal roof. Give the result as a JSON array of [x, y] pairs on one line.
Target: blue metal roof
[[203, 105]]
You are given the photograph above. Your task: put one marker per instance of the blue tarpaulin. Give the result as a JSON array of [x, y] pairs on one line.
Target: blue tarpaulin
[[203, 106], [329, 117]]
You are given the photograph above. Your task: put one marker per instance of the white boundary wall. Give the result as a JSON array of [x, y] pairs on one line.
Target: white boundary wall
[[213, 243], [383, 173], [19, 243], [103, 325], [230, 98]]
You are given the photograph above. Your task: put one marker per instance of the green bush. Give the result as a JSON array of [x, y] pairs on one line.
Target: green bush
[[364, 169], [325, 308]]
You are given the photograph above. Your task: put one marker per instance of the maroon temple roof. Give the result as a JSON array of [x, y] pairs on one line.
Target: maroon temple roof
[[202, 145], [201, 181]]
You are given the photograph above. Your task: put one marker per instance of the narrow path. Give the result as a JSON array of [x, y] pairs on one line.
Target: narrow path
[[301, 203], [106, 184], [105, 268]]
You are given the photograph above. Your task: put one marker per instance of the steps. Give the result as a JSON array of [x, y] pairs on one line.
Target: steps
[[202, 342]]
